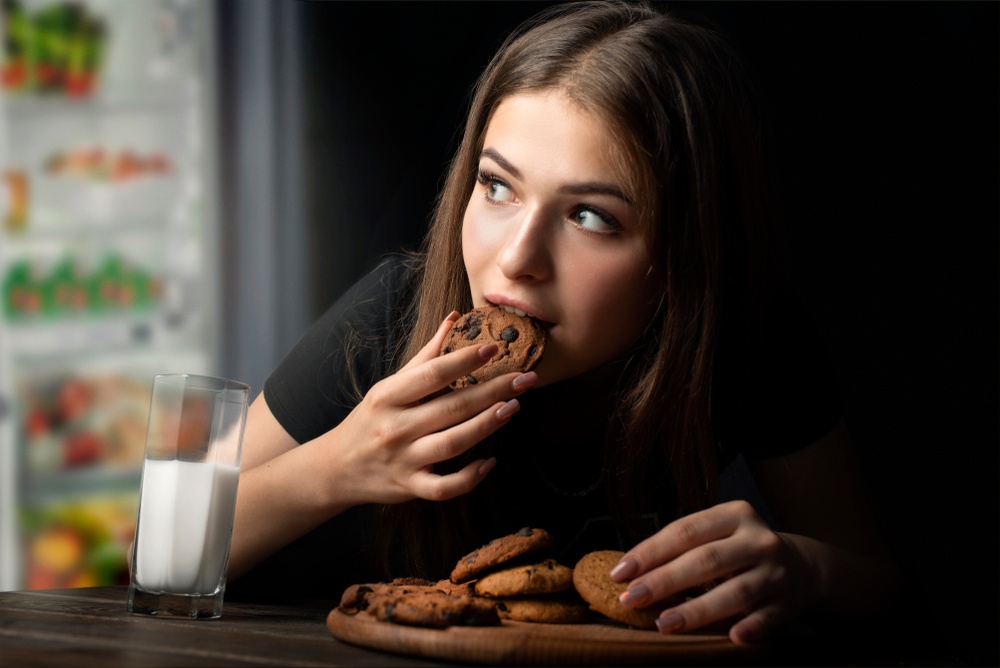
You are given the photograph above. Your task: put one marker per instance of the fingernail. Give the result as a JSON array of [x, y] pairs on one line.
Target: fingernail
[[524, 381], [625, 569], [487, 466], [488, 351], [508, 409], [451, 316], [635, 596], [670, 623]]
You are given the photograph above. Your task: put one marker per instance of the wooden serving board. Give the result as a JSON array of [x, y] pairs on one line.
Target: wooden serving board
[[523, 643]]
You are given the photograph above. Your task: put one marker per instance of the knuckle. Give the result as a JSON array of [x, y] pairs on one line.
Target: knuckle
[[437, 493], [457, 406], [445, 447], [378, 395], [743, 594], [430, 375], [686, 529], [709, 559], [770, 544], [743, 508], [388, 431]]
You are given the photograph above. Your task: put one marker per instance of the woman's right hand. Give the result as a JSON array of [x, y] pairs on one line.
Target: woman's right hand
[[383, 452], [387, 447]]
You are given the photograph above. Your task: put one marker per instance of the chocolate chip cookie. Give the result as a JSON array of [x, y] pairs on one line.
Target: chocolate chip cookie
[[416, 602], [592, 579], [433, 609], [558, 609], [546, 577], [499, 551], [520, 339]]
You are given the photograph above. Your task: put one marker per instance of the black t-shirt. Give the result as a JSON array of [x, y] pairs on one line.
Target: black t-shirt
[[549, 457]]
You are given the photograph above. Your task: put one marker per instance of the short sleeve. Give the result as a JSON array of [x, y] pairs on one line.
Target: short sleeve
[[345, 352]]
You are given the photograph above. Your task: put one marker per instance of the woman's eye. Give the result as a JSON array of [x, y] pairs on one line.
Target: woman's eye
[[595, 221], [496, 190]]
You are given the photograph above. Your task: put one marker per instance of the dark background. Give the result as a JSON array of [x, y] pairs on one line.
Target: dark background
[[885, 124]]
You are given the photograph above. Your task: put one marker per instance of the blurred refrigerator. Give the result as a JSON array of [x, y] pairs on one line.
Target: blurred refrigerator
[[109, 230]]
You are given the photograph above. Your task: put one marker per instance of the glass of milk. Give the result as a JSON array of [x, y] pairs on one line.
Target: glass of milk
[[194, 441]]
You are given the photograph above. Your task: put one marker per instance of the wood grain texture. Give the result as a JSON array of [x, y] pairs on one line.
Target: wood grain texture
[[91, 627], [523, 643]]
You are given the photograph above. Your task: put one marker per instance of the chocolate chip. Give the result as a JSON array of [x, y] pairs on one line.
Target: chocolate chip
[[472, 326], [526, 531], [510, 334], [472, 380], [447, 349], [532, 350]]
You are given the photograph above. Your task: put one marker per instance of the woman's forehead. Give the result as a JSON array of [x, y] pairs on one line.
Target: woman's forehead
[[551, 118]]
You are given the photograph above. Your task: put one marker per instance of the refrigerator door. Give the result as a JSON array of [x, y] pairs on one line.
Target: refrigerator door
[[108, 237]]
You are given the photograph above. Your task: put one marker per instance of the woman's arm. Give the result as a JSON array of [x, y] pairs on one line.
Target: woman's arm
[[818, 498], [384, 451], [278, 498]]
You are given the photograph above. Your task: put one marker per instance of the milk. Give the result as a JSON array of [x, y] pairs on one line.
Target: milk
[[185, 524]]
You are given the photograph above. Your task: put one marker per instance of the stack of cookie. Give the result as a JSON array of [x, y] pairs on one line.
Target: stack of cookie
[[511, 578], [418, 602], [512, 572]]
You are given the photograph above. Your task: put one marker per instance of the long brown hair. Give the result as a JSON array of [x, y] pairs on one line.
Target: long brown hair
[[675, 97]]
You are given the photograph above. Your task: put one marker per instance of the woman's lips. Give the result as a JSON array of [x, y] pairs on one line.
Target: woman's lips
[[522, 310]]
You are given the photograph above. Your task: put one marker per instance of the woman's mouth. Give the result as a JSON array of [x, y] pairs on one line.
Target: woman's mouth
[[524, 314], [515, 311]]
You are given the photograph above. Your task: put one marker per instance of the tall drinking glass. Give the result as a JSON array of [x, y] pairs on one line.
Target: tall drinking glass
[[194, 441]]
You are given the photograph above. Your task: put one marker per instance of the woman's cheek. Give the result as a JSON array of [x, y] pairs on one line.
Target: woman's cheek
[[479, 233]]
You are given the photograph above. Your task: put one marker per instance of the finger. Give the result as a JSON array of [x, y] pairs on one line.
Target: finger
[[731, 599], [450, 443], [679, 537], [456, 407], [433, 347], [412, 384], [759, 624], [702, 564], [427, 485]]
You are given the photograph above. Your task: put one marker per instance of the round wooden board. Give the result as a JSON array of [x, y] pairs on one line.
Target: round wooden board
[[522, 643]]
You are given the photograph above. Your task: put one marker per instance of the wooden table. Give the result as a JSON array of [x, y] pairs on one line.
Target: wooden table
[[90, 627]]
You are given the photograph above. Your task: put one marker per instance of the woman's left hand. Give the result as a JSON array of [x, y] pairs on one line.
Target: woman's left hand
[[765, 579]]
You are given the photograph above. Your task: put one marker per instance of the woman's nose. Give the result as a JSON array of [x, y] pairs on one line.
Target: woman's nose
[[526, 254]]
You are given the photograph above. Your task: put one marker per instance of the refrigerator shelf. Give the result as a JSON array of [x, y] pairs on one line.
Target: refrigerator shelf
[[84, 332], [80, 483], [175, 98]]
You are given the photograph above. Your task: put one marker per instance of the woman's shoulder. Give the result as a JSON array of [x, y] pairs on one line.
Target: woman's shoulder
[[344, 352]]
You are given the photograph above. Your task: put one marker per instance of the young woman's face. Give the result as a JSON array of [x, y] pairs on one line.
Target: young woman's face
[[551, 230]]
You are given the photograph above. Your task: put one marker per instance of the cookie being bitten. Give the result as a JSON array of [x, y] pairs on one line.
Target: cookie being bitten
[[520, 338]]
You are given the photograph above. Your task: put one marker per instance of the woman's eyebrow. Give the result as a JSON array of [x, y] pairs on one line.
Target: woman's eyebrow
[[585, 188], [495, 156], [597, 188]]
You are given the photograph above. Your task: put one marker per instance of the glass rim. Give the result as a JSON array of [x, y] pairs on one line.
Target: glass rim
[[204, 381]]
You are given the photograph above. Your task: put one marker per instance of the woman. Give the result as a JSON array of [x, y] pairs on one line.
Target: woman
[[609, 184]]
